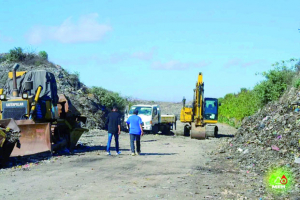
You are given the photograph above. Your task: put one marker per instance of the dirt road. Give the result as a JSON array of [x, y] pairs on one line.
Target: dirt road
[[170, 167]]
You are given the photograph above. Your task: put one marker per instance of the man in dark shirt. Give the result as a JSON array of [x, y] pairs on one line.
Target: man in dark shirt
[[114, 129]]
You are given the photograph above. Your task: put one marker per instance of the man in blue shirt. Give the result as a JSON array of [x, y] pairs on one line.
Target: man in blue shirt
[[134, 123]]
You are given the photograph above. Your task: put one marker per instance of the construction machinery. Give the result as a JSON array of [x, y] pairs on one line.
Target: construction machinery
[[47, 121], [202, 116]]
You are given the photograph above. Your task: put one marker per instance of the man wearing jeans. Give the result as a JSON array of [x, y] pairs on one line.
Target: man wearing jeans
[[135, 131], [114, 129]]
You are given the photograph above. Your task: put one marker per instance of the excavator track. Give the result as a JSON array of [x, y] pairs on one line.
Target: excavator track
[[211, 130]]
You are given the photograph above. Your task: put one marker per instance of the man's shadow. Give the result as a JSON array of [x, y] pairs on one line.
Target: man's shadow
[[157, 154], [36, 158]]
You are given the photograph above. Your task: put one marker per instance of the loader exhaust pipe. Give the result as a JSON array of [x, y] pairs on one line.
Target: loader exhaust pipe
[[183, 102], [15, 87]]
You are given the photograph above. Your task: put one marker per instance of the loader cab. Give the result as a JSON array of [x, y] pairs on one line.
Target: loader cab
[[211, 108], [17, 98]]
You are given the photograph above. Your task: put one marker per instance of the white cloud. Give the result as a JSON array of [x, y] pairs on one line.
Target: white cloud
[[177, 65], [240, 63], [5, 38], [87, 29], [142, 55]]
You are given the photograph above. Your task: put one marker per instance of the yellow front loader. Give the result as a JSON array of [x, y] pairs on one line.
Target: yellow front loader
[[202, 116], [30, 100]]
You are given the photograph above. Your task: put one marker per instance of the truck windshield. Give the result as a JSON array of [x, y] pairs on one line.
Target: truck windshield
[[211, 109], [142, 110]]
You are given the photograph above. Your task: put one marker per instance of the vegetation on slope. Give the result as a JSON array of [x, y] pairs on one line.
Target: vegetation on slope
[[106, 98], [235, 107]]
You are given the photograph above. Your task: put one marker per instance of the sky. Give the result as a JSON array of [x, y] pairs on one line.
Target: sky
[[154, 50]]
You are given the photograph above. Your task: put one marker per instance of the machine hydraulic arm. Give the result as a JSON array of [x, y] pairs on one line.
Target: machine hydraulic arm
[[202, 116]]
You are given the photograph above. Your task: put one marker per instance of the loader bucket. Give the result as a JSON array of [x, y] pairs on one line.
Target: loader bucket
[[75, 135], [9, 123], [35, 138], [6, 147]]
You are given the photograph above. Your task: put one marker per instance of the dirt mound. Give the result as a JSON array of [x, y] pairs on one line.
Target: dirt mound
[[270, 138], [68, 84]]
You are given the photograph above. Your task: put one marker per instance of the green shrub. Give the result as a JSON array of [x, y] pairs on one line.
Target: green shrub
[[297, 83], [16, 55], [28, 57], [276, 82], [238, 106], [43, 54], [235, 107], [108, 98]]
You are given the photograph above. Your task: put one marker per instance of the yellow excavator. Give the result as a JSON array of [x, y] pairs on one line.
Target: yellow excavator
[[29, 103], [202, 116]]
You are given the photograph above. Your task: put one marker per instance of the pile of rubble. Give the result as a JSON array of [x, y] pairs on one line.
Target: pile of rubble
[[10, 135], [69, 85], [271, 137]]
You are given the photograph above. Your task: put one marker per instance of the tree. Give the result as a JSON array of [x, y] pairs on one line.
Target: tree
[[43, 54]]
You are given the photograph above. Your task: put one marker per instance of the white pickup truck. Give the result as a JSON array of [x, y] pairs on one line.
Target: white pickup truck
[[152, 119]]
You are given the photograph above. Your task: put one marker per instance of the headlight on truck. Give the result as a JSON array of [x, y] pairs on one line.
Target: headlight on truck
[[147, 123], [2, 96]]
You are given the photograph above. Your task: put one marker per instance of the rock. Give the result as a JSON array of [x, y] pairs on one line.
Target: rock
[[222, 151], [246, 151]]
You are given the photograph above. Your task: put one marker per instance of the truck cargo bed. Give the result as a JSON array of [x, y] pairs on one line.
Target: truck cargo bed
[[168, 119]]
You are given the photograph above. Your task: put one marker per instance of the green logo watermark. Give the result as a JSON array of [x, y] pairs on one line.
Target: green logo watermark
[[279, 180]]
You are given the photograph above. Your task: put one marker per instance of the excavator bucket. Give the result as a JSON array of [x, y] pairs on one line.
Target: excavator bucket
[[198, 133], [75, 135], [201, 133], [35, 138]]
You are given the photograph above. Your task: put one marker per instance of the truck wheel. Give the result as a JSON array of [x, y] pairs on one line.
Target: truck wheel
[[166, 130], [155, 129]]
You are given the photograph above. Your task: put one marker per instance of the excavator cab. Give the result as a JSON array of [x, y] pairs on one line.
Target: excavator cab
[[210, 110]]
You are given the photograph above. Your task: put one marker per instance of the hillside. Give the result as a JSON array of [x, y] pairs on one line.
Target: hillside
[[95, 102], [69, 84]]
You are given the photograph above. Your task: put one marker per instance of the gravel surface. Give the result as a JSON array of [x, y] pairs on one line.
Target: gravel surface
[[170, 167]]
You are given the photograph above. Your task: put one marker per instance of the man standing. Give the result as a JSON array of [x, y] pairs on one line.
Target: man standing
[[114, 129], [134, 123]]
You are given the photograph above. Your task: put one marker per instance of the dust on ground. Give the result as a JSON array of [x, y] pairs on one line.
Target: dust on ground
[[170, 167]]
